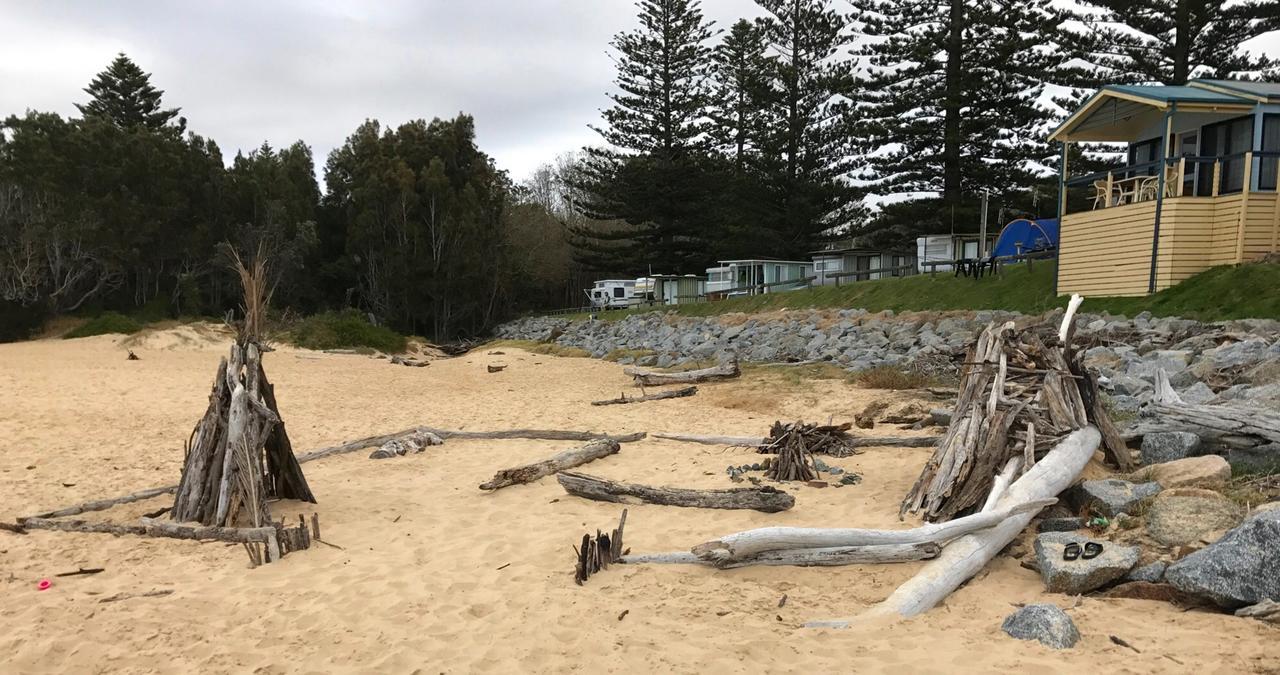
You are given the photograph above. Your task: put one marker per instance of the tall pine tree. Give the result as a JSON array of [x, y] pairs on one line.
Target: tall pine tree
[[739, 93], [123, 94], [1172, 41], [804, 154], [651, 180], [950, 104]]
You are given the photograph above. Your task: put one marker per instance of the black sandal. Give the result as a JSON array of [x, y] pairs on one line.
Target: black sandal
[[1092, 550], [1071, 551]]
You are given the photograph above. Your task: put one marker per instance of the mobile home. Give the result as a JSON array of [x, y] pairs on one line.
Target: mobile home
[[945, 248], [611, 293], [762, 275], [834, 266], [668, 289]]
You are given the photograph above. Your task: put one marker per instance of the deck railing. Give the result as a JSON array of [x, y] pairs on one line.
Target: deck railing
[[1188, 176]]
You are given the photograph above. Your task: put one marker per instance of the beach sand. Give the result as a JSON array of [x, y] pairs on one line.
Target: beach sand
[[436, 576]]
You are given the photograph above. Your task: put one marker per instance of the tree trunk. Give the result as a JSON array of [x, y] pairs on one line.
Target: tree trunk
[[649, 378], [564, 460], [767, 499], [754, 542], [802, 557], [966, 556], [952, 101]]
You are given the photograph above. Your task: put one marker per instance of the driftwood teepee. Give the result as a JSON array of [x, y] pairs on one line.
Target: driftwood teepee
[[239, 455]]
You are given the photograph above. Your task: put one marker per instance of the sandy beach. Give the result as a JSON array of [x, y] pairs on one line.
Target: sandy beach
[[436, 576]]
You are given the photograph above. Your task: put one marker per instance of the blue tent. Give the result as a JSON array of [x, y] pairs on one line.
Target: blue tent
[[1022, 236]]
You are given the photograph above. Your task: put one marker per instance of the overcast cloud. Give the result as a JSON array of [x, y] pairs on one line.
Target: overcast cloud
[[534, 73]]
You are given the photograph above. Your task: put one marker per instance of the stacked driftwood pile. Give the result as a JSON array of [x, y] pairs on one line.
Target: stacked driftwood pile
[[820, 439], [1021, 393], [597, 553]]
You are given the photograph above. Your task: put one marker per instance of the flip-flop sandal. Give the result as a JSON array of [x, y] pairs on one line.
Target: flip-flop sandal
[[1071, 551], [1092, 550]]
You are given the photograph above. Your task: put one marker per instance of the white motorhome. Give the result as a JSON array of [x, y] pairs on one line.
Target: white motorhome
[[611, 293]]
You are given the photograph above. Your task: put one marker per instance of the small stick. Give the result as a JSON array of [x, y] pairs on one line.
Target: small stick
[[82, 570], [782, 601], [624, 613], [505, 566], [148, 594], [158, 512], [1120, 641], [331, 545]]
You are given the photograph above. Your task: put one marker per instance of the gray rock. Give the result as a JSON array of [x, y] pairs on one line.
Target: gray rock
[[1186, 515], [1078, 576], [1129, 404], [1061, 524], [1239, 354], [1240, 569], [1197, 393], [1150, 573], [1170, 361], [1046, 623], [1127, 385], [382, 453], [1112, 495], [1166, 446], [1261, 459]]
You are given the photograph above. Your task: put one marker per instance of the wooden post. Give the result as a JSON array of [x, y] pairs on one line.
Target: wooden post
[[1244, 206], [1217, 177], [1160, 187], [1182, 176], [1062, 182], [1110, 189], [1275, 216]]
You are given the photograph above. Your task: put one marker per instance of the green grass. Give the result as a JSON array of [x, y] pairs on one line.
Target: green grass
[[619, 354], [105, 324], [533, 347], [1228, 292], [344, 330]]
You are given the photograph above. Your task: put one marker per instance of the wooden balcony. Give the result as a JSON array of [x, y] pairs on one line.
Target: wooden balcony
[[1108, 250]]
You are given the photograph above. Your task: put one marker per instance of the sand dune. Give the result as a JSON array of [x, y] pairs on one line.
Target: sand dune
[[417, 586]]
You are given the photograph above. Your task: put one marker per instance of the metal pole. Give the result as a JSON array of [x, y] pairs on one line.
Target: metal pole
[[1155, 228], [982, 227]]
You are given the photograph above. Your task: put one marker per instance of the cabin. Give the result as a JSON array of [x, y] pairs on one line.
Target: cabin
[[940, 249], [669, 289], [1197, 188], [611, 293], [841, 264], [753, 277]]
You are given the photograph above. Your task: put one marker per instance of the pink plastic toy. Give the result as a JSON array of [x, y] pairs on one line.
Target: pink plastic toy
[[44, 584]]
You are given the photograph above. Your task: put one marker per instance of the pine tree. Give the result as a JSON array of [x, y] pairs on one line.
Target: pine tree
[[1171, 41], [739, 92], [949, 105], [650, 181], [124, 95], [804, 153]]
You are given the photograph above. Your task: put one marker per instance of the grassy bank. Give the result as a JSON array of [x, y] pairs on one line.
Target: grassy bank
[[1247, 291]]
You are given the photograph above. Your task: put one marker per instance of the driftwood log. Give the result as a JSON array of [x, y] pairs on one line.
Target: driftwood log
[[755, 441], [1226, 425], [801, 557], [657, 396], [964, 557], [651, 378], [742, 545], [104, 504], [147, 527], [564, 460], [765, 498]]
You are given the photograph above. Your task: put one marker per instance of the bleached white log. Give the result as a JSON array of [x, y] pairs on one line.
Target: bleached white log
[[713, 440], [802, 557], [237, 434], [966, 556], [651, 378], [741, 545], [1002, 481]]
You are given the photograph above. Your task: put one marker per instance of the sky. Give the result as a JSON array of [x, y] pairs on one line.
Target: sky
[[533, 73]]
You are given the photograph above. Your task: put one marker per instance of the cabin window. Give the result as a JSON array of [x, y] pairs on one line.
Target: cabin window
[[619, 292], [1270, 143], [1228, 140], [1142, 153]]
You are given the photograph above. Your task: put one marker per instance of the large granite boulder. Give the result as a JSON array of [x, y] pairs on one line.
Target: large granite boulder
[[1044, 622], [1184, 516], [1151, 574], [1242, 568], [1078, 576], [1203, 471], [1166, 446], [1112, 496]]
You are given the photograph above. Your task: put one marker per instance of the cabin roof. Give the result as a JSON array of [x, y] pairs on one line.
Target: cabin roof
[[1117, 111], [868, 251], [766, 261]]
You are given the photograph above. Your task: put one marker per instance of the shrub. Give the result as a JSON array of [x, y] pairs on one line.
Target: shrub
[[886, 377], [104, 324], [345, 330]]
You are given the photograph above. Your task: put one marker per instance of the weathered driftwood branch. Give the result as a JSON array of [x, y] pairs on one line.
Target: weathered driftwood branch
[[750, 543], [148, 527], [1225, 424], [564, 460], [650, 378], [765, 498], [657, 396], [966, 556], [104, 504], [598, 553], [754, 441], [801, 557]]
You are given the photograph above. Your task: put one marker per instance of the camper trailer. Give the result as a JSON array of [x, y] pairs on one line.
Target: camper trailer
[[945, 248], [834, 266], [761, 275], [668, 289], [611, 293]]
